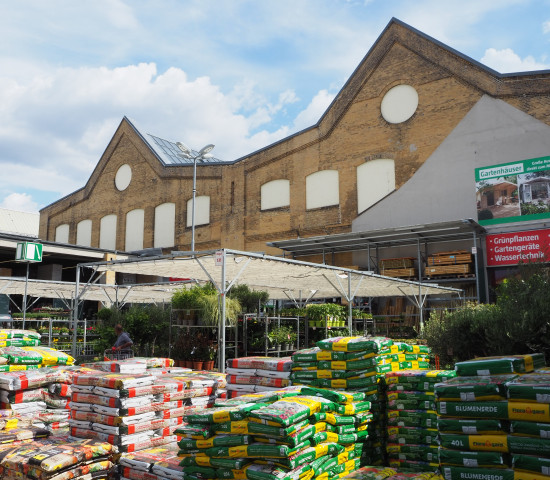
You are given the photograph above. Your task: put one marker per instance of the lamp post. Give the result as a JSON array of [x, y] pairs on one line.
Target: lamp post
[[186, 152]]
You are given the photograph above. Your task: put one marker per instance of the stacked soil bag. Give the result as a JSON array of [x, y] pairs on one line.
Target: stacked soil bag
[[18, 338], [257, 374], [61, 459], [159, 463], [301, 433], [140, 411], [399, 356], [350, 364], [120, 409], [493, 422], [412, 436]]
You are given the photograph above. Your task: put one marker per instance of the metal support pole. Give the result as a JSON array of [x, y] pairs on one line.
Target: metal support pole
[[193, 206], [25, 297], [75, 311], [222, 336], [476, 266]]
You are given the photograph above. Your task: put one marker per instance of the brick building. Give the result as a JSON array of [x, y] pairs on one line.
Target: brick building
[[398, 146]]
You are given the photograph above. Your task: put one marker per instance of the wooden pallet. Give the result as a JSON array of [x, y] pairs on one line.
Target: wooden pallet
[[391, 263], [399, 272], [430, 271], [449, 258]]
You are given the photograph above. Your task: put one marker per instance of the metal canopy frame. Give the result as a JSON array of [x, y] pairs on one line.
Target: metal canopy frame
[[280, 277]]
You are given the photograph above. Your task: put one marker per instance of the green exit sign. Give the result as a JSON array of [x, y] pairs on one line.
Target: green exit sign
[[28, 252]]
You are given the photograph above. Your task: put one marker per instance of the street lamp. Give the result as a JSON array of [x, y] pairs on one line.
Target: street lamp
[[203, 154]]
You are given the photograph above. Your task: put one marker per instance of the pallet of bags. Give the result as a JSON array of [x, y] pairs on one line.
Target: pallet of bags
[[140, 465], [402, 356], [279, 436], [257, 374], [412, 436], [490, 421], [13, 337], [63, 458], [120, 409], [348, 363]]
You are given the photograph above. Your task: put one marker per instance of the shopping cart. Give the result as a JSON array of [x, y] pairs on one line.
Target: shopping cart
[[112, 354]]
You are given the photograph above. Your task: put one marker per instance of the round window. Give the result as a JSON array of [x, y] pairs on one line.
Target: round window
[[399, 104], [123, 177]]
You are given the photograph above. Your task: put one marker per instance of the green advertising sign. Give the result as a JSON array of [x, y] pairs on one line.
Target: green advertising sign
[[513, 192], [28, 252]]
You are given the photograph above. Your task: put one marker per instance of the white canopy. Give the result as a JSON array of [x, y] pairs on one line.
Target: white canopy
[[281, 278], [107, 294]]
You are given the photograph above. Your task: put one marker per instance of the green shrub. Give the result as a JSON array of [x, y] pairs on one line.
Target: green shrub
[[485, 214]]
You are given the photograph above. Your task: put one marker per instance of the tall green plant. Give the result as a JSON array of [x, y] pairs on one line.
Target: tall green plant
[[250, 300], [212, 310]]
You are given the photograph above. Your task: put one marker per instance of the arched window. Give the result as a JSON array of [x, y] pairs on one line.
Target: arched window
[[202, 211], [165, 225], [84, 233], [375, 179], [107, 232], [62, 233], [135, 221], [275, 194], [322, 189]]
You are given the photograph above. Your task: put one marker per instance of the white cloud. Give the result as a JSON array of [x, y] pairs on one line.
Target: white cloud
[[314, 110], [20, 202], [546, 27], [507, 61]]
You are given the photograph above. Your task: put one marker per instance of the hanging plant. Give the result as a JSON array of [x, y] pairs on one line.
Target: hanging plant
[[211, 310]]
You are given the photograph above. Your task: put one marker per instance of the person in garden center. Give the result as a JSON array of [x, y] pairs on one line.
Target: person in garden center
[[123, 340]]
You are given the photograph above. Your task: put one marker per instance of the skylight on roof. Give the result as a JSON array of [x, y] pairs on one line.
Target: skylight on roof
[[171, 154]]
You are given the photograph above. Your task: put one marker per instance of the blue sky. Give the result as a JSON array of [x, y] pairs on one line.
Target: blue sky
[[237, 73]]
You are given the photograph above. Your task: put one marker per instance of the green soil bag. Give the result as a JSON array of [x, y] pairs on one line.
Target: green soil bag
[[530, 429], [420, 377], [411, 422], [353, 408], [532, 387], [490, 426], [216, 441], [255, 450], [531, 463], [529, 445], [415, 436], [291, 440], [480, 443], [413, 466], [474, 388], [422, 414], [324, 437], [463, 473], [410, 395], [425, 453], [222, 414], [411, 404], [309, 454], [245, 427], [272, 472], [203, 461], [346, 384], [532, 412], [499, 365], [364, 364], [462, 458], [354, 344], [334, 396], [197, 431], [372, 473], [315, 354], [287, 411]]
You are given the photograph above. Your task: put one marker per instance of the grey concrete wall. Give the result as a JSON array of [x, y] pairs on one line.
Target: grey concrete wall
[[443, 188]]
